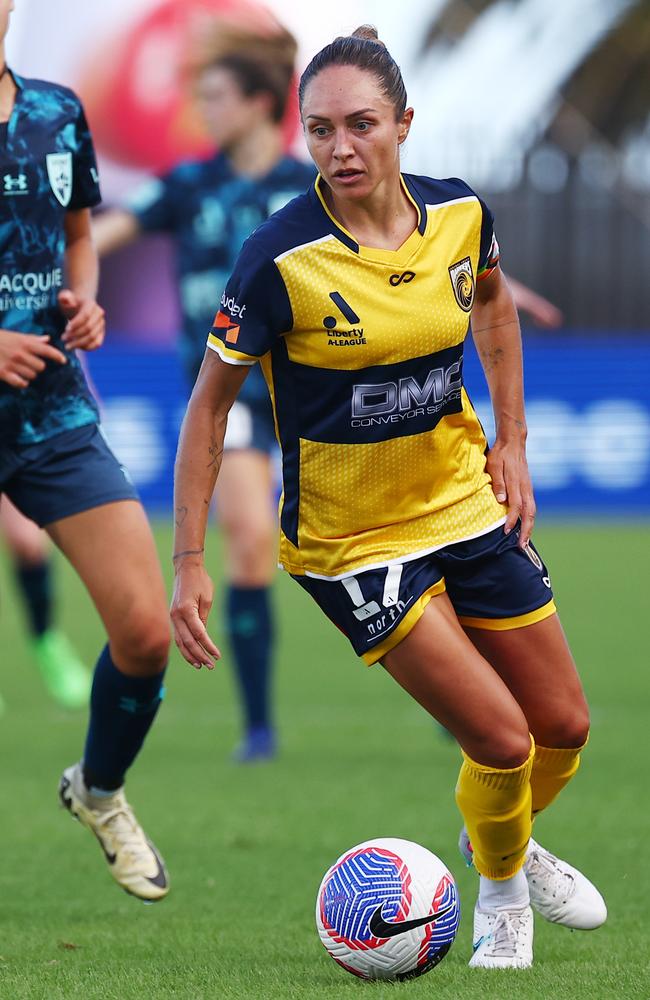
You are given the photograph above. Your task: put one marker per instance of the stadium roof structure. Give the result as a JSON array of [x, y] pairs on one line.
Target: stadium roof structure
[[501, 76]]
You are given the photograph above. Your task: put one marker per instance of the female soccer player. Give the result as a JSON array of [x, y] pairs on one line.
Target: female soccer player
[[209, 207], [55, 465], [411, 537]]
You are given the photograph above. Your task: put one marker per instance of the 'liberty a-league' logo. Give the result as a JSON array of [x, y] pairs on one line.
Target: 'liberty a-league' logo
[[59, 172]]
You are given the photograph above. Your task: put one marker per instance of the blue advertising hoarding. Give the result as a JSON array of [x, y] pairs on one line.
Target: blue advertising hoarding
[[588, 407]]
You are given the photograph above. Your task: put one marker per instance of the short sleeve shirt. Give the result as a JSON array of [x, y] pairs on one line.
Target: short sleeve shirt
[[383, 456], [47, 168]]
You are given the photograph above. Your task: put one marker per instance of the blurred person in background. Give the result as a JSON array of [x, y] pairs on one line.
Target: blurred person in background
[[55, 465], [410, 534], [209, 207], [66, 678]]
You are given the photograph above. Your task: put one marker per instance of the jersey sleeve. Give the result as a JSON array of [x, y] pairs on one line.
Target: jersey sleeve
[[254, 311], [154, 205], [85, 178], [489, 249]]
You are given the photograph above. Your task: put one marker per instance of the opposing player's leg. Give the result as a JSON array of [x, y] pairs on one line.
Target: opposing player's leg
[[248, 518], [444, 672], [535, 663], [112, 549], [66, 678]]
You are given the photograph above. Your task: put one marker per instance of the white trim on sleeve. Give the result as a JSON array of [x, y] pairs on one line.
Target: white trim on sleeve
[[230, 361]]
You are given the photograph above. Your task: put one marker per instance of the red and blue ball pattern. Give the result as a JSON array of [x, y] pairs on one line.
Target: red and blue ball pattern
[[359, 883], [372, 877]]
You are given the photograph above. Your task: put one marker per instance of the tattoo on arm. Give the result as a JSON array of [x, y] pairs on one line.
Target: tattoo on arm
[[215, 453], [187, 552], [181, 514], [495, 326], [491, 359]]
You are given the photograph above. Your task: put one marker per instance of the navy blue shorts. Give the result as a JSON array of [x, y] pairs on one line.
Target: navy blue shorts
[[69, 473], [251, 427], [491, 582]]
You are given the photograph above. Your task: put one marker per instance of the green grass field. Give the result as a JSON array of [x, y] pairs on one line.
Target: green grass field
[[247, 847]]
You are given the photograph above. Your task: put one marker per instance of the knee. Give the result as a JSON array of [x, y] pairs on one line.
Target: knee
[[29, 549], [570, 730], [142, 645], [251, 554], [512, 751], [503, 749]]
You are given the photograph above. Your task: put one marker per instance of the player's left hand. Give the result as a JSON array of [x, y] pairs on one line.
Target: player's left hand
[[508, 467], [86, 324]]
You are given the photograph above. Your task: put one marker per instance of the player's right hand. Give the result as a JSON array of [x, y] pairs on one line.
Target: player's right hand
[[23, 356], [191, 603]]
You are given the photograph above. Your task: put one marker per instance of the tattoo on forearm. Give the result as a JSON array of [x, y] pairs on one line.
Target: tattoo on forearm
[[491, 359], [215, 453], [181, 514], [495, 326], [187, 552]]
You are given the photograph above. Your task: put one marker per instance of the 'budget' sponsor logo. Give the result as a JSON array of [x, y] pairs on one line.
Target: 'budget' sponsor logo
[[232, 306]]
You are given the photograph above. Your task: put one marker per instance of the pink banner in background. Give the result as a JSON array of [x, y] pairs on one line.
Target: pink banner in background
[[138, 101]]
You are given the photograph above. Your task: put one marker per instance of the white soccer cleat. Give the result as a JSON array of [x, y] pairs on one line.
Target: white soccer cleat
[[503, 939], [133, 860], [560, 893]]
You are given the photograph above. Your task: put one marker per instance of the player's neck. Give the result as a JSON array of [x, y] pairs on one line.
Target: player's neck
[[384, 220], [256, 154]]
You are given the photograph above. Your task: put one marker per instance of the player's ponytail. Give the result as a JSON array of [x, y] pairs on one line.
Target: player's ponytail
[[363, 49]]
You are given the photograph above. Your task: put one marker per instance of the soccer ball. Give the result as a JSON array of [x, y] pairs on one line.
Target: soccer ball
[[388, 909]]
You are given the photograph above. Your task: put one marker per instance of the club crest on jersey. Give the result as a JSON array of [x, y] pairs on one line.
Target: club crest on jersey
[[462, 282], [59, 172]]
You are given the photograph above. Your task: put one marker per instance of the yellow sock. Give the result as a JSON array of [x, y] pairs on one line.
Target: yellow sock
[[496, 807], [552, 770]]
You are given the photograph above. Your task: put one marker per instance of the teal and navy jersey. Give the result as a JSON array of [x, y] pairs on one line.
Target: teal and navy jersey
[[47, 168], [383, 456], [210, 211]]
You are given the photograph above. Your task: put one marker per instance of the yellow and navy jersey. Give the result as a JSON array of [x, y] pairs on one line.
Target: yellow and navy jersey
[[383, 456]]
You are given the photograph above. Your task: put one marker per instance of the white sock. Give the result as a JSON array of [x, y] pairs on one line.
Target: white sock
[[101, 793], [505, 894]]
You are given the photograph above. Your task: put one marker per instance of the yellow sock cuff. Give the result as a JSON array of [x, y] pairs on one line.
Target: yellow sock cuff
[[497, 778], [553, 768], [558, 759]]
